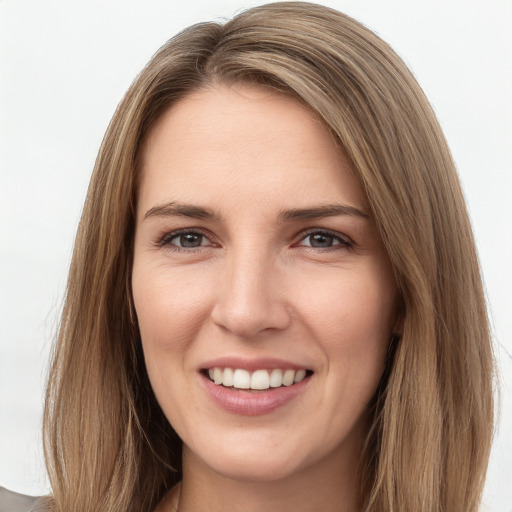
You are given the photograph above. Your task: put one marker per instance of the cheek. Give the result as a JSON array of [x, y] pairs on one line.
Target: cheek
[[351, 317], [357, 308], [170, 309]]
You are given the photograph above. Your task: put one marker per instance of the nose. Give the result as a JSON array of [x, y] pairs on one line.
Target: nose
[[251, 298]]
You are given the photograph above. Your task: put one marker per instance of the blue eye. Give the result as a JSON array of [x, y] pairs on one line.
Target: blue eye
[[324, 240]]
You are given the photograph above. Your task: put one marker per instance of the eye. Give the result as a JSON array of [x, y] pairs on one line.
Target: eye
[[324, 240], [185, 240]]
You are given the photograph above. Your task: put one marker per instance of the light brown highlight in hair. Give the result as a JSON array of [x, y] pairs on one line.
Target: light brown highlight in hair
[[108, 445]]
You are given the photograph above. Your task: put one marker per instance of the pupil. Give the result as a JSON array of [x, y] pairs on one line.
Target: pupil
[[190, 240], [321, 240]]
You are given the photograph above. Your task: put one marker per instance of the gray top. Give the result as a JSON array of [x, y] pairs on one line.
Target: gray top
[[15, 502]]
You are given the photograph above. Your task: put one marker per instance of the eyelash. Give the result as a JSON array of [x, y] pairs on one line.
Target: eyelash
[[166, 240], [343, 242]]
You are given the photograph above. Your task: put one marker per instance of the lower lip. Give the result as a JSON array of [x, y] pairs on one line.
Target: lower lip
[[250, 403]]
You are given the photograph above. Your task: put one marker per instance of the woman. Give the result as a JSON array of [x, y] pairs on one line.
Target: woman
[[274, 299]]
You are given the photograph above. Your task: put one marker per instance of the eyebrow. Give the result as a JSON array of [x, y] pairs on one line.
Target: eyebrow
[[318, 212], [176, 209]]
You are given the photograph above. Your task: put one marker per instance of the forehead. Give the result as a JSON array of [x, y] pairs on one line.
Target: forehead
[[238, 138]]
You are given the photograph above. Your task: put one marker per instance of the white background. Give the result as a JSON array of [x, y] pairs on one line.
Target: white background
[[63, 68]]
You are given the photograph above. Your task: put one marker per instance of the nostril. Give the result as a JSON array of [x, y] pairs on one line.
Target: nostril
[[248, 323]]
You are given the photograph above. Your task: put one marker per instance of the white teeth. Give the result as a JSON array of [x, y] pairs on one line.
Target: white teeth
[[299, 376], [276, 378], [217, 376], [288, 377], [258, 380], [241, 379], [228, 379]]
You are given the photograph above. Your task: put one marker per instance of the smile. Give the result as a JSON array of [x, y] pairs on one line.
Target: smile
[[259, 380], [256, 386]]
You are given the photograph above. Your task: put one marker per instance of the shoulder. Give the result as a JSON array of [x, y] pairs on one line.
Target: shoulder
[[15, 502]]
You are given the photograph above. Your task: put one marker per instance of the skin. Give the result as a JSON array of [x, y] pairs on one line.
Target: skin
[[260, 285]]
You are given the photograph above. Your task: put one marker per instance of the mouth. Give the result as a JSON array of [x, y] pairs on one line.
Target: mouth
[[258, 380], [254, 387]]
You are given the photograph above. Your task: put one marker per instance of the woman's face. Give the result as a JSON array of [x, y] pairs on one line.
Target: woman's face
[[257, 263]]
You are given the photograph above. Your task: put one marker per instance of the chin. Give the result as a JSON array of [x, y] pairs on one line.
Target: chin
[[245, 469], [264, 458]]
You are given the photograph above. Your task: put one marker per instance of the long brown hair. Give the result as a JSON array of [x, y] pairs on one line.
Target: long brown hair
[[108, 445]]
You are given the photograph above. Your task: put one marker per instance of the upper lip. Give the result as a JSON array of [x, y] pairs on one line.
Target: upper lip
[[252, 364]]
